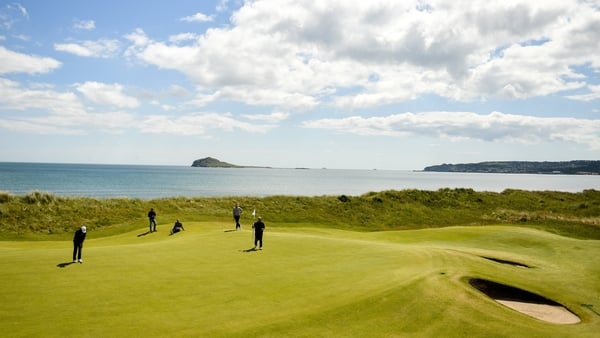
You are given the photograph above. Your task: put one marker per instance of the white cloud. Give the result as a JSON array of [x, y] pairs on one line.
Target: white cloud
[[110, 122], [107, 94], [85, 24], [198, 17], [461, 50], [138, 38], [22, 37], [65, 114], [493, 127], [19, 8], [11, 14], [103, 48], [36, 127], [275, 117], [179, 91], [183, 37], [15, 97], [222, 5], [594, 94], [161, 54], [197, 124], [13, 62]]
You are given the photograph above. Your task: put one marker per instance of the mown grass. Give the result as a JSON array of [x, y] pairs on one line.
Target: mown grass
[[333, 266], [307, 282], [40, 215]]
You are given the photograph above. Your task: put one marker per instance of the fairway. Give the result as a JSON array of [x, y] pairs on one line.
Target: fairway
[[307, 282]]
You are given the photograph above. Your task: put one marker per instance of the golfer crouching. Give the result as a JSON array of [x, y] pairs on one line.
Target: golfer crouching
[[177, 227], [78, 244]]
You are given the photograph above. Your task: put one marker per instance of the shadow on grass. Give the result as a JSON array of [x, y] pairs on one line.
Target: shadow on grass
[[64, 265], [251, 250], [144, 234], [230, 230], [591, 308], [502, 261], [505, 292]]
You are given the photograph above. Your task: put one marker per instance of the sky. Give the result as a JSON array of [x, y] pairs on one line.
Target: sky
[[347, 84]]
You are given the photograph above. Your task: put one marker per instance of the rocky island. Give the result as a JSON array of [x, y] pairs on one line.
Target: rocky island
[[209, 162]]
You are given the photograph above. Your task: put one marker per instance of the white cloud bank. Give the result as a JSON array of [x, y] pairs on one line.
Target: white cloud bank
[[346, 54], [63, 112], [198, 124], [386, 51], [495, 126]]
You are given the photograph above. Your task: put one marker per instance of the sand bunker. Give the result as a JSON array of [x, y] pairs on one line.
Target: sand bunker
[[525, 302]]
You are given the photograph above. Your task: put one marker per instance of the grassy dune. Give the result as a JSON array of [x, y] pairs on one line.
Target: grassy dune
[[308, 282], [42, 216]]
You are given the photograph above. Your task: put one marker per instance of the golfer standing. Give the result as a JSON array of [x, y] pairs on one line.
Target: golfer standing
[[237, 213], [152, 219], [78, 244], [258, 227]]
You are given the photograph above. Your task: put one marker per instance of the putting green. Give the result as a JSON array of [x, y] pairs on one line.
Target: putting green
[[206, 281]]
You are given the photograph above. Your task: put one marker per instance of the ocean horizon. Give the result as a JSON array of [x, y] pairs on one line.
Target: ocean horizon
[[161, 181]]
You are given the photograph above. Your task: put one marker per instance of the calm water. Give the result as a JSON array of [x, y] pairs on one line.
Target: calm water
[[143, 181]]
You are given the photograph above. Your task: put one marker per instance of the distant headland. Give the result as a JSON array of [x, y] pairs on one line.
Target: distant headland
[[209, 162], [579, 167]]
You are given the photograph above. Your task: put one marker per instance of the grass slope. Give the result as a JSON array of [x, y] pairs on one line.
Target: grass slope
[[42, 216], [308, 282]]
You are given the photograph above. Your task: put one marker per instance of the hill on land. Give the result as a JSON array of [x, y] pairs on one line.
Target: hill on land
[[210, 162], [522, 167]]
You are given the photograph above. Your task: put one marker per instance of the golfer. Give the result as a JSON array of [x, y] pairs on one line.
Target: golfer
[[237, 212], [177, 227], [78, 244], [258, 227], [152, 219]]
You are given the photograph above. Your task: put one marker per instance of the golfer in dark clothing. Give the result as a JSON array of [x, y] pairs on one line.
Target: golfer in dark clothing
[[177, 227], [258, 227], [78, 244], [152, 219]]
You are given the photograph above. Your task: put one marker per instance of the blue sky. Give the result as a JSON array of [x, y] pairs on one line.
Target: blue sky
[[336, 84]]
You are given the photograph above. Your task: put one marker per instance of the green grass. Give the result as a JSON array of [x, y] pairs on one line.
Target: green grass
[[308, 282], [384, 264]]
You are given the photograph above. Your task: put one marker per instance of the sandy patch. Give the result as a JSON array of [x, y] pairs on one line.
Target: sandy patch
[[550, 313], [526, 302]]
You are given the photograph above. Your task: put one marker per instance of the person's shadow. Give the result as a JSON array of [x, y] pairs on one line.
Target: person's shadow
[[250, 250], [64, 265], [144, 234]]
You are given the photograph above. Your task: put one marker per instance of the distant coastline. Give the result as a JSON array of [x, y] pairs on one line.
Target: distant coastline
[[578, 167]]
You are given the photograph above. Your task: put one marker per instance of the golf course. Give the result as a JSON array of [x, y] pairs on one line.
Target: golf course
[[450, 263]]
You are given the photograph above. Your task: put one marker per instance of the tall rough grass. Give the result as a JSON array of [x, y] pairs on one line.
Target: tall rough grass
[[39, 197], [570, 214]]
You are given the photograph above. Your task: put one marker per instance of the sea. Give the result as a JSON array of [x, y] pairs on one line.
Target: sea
[[160, 181]]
